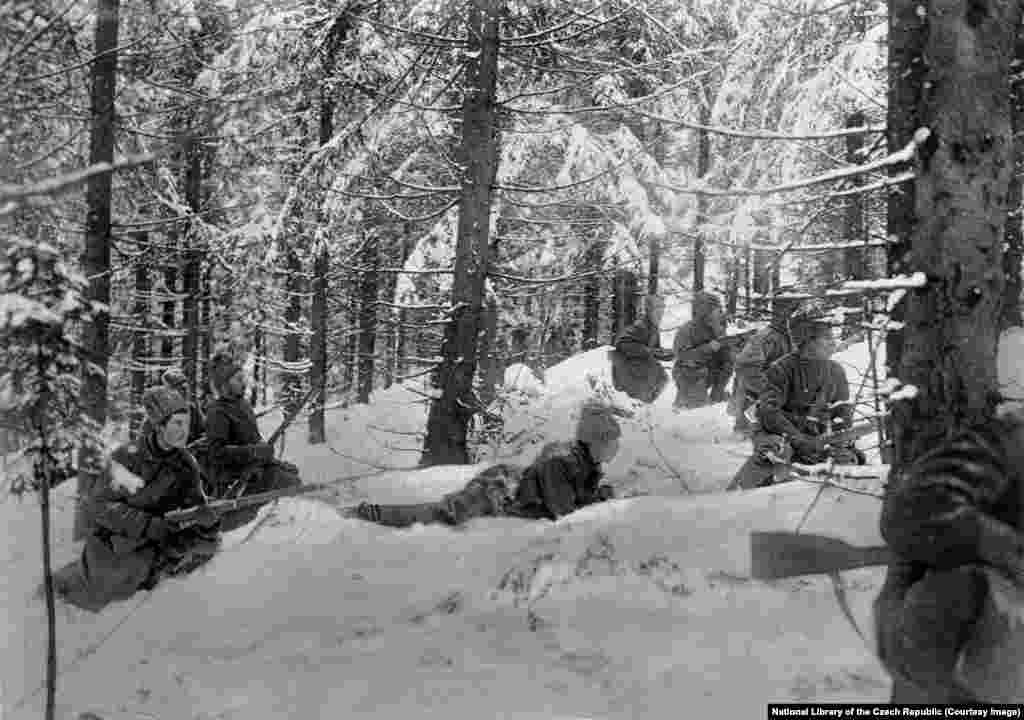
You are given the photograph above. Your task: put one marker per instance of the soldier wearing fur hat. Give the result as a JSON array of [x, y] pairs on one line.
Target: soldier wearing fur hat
[[564, 477], [805, 398], [703, 362], [237, 456], [132, 546], [636, 366]]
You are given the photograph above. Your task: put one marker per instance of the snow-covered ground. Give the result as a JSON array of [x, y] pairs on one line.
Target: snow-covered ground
[[640, 607]]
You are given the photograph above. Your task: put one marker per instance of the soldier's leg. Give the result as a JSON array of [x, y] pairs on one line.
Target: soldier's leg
[[758, 470], [401, 516], [929, 630]]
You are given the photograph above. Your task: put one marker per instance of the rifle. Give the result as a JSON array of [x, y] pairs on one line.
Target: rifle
[[290, 416], [782, 554], [186, 517]]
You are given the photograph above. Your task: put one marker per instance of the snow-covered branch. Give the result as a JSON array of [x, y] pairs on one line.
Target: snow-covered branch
[[12, 196]]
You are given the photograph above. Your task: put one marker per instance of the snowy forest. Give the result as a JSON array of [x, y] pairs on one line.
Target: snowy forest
[[418, 227]]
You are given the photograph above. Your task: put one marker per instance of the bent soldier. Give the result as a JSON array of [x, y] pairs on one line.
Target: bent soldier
[[804, 403], [564, 477], [636, 369], [702, 361]]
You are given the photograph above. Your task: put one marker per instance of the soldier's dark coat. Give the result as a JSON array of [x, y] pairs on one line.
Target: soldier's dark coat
[[764, 348], [118, 558], [564, 477], [697, 366], [942, 516], [233, 438], [635, 367]]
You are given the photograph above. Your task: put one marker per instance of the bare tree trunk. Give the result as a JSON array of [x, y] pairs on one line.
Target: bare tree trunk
[[448, 422], [490, 364], [1011, 315], [703, 168], [44, 475], [732, 284], [168, 318], [906, 82], [368, 281], [592, 297], [140, 337], [291, 387], [624, 301], [96, 253], [207, 339], [654, 267], [963, 177], [191, 271]]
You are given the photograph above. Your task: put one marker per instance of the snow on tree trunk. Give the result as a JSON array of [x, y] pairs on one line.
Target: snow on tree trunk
[[963, 177], [96, 253], [450, 413], [140, 337], [1011, 315], [906, 81], [368, 286], [293, 340]]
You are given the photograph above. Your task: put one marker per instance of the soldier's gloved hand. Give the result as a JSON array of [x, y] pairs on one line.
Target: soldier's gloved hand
[[206, 517], [604, 492], [808, 445], [158, 529], [263, 452]]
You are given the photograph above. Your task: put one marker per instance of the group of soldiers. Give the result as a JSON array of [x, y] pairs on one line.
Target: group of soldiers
[[788, 395], [181, 458], [951, 517]]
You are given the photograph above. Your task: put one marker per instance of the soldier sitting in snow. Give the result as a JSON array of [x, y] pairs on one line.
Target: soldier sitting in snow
[[564, 477], [239, 462], [636, 369], [132, 546], [806, 397], [952, 517], [176, 380]]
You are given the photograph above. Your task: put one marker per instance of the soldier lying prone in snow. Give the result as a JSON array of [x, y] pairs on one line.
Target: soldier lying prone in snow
[[564, 477]]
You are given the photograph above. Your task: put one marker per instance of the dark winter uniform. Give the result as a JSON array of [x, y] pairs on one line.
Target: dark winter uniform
[[698, 368], [763, 349], [952, 512], [120, 557], [237, 456], [795, 408], [563, 478], [636, 369]]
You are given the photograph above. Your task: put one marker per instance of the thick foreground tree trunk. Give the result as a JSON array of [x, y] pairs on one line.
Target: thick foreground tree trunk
[[450, 413], [96, 253], [369, 280], [963, 179], [906, 79], [1011, 316]]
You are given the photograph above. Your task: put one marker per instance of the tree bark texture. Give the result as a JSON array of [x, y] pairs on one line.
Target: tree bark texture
[[855, 258], [369, 279], [963, 179], [703, 168], [906, 70], [654, 265], [624, 308], [1014, 236], [292, 385], [191, 272], [592, 297], [168, 317], [450, 413], [140, 337], [96, 253]]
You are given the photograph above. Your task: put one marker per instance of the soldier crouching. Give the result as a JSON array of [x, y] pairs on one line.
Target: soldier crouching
[[132, 545], [240, 463], [950, 517], [564, 477]]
